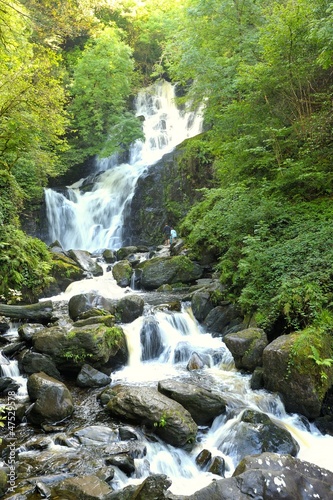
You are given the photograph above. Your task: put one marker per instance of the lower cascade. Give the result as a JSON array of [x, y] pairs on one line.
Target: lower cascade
[[110, 438]]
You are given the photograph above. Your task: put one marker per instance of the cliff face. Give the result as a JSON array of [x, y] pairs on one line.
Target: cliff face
[[164, 194]]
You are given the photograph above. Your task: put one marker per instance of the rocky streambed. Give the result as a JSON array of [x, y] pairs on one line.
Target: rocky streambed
[[127, 395]]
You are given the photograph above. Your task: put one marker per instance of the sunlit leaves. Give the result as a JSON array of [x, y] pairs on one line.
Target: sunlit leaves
[[101, 86]]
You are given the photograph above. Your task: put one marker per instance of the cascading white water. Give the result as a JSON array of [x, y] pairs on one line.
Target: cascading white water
[[160, 345], [94, 220]]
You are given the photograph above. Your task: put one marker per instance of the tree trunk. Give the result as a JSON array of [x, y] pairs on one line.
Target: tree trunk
[[39, 313]]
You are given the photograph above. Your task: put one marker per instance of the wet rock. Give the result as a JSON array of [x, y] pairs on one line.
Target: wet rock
[[130, 308], [126, 433], [223, 319], [4, 325], [257, 433], [70, 350], [27, 331], [85, 262], [201, 304], [257, 379], [122, 273], [84, 302], [34, 362], [109, 256], [52, 400], [195, 362], [246, 347], [299, 383], [217, 467], [269, 476], [145, 405], [123, 462], [7, 384], [95, 435], [203, 405], [168, 270], [90, 377], [203, 459], [86, 487]]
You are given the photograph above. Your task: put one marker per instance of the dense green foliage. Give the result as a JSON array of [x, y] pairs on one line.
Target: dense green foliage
[[264, 72], [68, 72]]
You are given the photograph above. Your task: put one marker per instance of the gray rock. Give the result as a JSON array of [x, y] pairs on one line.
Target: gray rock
[[130, 308], [297, 379], [145, 405], [52, 400], [90, 377], [246, 347], [161, 270], [203, 405]]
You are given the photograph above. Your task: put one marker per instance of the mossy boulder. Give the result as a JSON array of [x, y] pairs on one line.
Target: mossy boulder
[[64, 272], [122, 273], [289, 370], [145, 405], [168, 270], [97, 345]]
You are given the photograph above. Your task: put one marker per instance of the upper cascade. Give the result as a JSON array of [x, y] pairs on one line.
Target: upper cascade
[[93, 220]]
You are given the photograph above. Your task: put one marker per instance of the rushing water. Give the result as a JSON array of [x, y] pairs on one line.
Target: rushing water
[[94, 219], [160, 344]]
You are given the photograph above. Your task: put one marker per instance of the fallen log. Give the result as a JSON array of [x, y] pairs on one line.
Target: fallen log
[[40, 312]]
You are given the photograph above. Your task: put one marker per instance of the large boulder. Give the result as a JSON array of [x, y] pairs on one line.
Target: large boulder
[[79, 305], [85, 487], [270, 476], [130, 308], [64, 271], [297, 378], [99, 345], [224, 318], [86, 262], [122, 273], [202, 404], [34, 362], [145, 405], [168, 270], [257, 433], [52, 401], [247, 347]]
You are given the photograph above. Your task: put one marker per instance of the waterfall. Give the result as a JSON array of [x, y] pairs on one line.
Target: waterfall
[[93, 220]]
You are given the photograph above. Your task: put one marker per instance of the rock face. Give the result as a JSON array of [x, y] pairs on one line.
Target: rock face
[[168, 270], [145, 405], [52, 400], [299, 383]]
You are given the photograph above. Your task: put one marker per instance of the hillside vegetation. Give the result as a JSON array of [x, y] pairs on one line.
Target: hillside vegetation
[[264, 71]]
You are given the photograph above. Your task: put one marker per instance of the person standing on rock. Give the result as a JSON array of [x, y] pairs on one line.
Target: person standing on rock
[[167, 231], [173, 235]]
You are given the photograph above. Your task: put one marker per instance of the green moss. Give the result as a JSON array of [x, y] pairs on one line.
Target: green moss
[[113, 336], [311, 354]]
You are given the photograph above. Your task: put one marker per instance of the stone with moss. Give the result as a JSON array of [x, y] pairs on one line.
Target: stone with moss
[[169, 270], [289, 370]]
